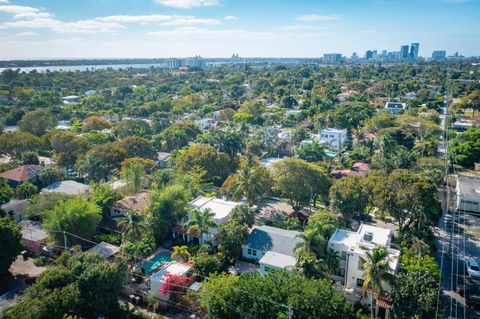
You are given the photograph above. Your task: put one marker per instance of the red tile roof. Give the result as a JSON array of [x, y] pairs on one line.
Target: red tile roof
[[22, 173]]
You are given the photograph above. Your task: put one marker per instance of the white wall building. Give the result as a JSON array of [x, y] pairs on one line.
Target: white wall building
[[468, 193], [332, 137], [221, 209], [352, 248], [272, 247], [157, 280]]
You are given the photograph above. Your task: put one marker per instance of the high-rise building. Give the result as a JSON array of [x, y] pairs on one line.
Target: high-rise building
[[174, 63], [354, 56], [414, 47], [196, 61], [404, 52], [368, 55], [332, 57], [439, 55]]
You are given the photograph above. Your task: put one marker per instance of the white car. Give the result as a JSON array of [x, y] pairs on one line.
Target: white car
[[473, 268]]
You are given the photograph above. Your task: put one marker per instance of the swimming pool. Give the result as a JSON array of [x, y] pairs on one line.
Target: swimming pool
[[330, 154], [156, 261]]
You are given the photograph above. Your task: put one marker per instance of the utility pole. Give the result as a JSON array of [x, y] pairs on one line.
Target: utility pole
[[65, 241], [206, 297], [290, 312]]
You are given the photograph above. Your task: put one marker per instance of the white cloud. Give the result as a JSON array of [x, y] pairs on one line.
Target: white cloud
[[33, 18], [3, 1], [202, 32], [316, 17], [301, 27], [231, 18], [27, 34], [188, 4], [157, 18]]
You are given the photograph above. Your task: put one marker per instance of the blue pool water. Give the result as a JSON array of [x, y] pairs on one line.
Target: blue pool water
[[330, 154], [156, 261]]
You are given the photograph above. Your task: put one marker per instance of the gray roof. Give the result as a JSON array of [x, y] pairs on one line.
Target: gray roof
[[105, 249], [267, 238], [33, 231], [163, 156], [277, 260], [395, 105], [67, 187], [469, 185]]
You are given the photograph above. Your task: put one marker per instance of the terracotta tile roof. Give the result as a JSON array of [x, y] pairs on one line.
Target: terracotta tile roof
[[22, 173], [358, 169], [138, 202]]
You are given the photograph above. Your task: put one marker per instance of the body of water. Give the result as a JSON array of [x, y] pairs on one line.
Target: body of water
[[71, 68]]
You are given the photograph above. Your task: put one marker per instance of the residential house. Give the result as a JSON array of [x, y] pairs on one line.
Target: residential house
[[34, 236], [22, 174], [138, 203], [268, 162], [221, 210], [16, 208], [468, 193], [159, 278], [395, 107], [66, 187], [352, 248], [332, 137], [162, 159], [358, 169], [106, 250], [272, 247]]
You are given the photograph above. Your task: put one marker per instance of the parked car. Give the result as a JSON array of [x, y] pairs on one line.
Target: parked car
[[473, 268]]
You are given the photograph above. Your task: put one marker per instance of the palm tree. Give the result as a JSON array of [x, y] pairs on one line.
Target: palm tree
[[133, 225], [249, 182], [332, 261], [311, 243], [243, 214], [181, 252], [376, 271], [309, 266], [200, 222]]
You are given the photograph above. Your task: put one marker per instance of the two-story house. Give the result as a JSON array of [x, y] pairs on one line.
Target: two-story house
[[352, 248], [332, 137], [395, 108], [221, 210]]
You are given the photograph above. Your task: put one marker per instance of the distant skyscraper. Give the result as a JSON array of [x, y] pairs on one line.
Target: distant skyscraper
[[354, 56], [439, 55], [368, 55], [414, 47], [404, 52], [332, 57]]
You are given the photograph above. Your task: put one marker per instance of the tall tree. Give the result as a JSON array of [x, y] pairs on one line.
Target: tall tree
[[133, 225], [38, 122], [10, 236], [249, 182], [376, 272], [200, 222]]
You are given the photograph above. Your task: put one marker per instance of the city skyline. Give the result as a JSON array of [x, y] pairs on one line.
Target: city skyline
[[217, 28]]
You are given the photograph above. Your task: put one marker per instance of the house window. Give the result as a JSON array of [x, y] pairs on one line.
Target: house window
[[251, 252], [332, 136], [360, 264], [341, 272], [368, 237], [268, 269], [360, 282], [343, 255], [254, 252]]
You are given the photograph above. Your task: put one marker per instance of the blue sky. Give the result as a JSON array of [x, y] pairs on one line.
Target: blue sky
[[218, 28]]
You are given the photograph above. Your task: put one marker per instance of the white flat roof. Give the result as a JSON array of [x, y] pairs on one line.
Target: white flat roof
[[277, 260], [351, 239], [333, 130], [173, 268], [221, 208]]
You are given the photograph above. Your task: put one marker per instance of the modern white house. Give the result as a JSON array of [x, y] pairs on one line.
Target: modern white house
[[468, 193], [221, 209], [158, 279], [332, 137], [395, 107], [352, 248], [273, 248]]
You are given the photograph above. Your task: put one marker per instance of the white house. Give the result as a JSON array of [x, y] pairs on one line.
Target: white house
[[395, 107], [335, 138], [272, 247], [221, 209], [468, 193], [352, 248], [158, 279]]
